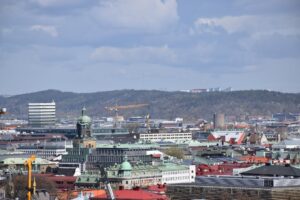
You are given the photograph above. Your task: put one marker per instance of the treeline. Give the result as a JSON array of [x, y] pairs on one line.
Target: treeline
[[161, 104]]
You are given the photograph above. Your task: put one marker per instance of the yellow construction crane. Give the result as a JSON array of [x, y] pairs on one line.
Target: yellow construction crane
[[28, 163], [117, 107]]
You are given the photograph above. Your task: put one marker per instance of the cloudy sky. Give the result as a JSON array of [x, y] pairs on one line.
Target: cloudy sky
[[97, 45]]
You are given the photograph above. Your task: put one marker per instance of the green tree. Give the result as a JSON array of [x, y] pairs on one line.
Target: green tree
[[20, 186], [175, 152]]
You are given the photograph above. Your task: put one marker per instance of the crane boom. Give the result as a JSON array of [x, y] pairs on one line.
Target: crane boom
[[28, 163], [124, 107]]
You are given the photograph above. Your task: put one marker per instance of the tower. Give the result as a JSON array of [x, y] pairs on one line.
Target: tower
[[83, 126], [219, 120], [84, 132]]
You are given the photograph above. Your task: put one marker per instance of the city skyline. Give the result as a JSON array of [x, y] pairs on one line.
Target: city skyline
[[80, 46]]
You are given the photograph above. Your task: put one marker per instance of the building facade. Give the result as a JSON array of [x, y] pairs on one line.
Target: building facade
[[156, 137], [128, 176], [41, 114], [174, 173]]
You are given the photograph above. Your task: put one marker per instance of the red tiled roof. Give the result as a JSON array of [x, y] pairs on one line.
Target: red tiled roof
[[157, 188], [132, 195], [56, 178], [156, 155], [63, 178]]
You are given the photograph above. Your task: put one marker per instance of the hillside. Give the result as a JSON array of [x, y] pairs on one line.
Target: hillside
[[161, 104]]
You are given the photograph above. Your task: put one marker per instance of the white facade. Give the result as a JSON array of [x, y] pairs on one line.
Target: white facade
[[155, 137], [238, 136], [41, 114], [179, 175], [45, 153]]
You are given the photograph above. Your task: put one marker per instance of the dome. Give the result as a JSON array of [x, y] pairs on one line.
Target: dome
[[126, 166], [84, 119]]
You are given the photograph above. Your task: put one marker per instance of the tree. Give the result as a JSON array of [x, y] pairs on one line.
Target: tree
[[175, 152], [20, 186]]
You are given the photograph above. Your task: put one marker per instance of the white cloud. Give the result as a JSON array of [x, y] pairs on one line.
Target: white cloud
[[255, 25], [6, 31], [51, 30], [145, 54], [144, 15], [52, 3]]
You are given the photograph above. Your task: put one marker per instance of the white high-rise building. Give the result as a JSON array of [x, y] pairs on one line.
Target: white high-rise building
[[41, 114]]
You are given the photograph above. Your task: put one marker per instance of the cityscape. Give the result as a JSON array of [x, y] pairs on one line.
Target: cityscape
[[141, 157], [149, 100]]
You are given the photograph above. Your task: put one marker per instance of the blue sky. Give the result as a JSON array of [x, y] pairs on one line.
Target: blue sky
[[100, 45]]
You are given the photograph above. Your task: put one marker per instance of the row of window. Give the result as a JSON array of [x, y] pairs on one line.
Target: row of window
[[176, 178], [177, 172], [165, 135]]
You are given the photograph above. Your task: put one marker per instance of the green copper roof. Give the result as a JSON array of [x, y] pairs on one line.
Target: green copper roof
[[88, 178], [84, 119], [126, 166], [172, 167]]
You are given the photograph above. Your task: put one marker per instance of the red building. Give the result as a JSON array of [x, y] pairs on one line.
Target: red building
[[61, 182], [222, 169]]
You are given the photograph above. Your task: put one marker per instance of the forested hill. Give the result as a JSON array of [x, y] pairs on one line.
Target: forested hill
[[162, 104]]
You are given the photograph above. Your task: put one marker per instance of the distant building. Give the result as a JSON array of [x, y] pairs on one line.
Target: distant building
[[281, 117], [219, 120], [47, 150], [171, 137], [41, 114], [232, 137]]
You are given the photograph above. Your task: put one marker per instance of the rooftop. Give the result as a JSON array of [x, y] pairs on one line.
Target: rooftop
[[128, 146], [132, 195], [21, 161], [274, 170]]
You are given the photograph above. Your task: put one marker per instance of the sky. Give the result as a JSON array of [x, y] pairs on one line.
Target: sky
[[101, 45]]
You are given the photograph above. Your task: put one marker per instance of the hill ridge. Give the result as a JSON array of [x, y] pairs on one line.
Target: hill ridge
[[162, 104]]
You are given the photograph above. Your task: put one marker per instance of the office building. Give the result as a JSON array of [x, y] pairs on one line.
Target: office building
[[41, 114]]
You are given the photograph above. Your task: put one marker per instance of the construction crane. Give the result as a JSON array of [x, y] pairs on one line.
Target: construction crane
[[117, 108], [28, 163]]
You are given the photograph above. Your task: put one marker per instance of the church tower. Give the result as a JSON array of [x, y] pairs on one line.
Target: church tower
[[84, 132]]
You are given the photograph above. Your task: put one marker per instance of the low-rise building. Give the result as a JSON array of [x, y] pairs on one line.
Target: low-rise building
[[17, 164], [128, 176], [156, 137], [232, 137], [175, 173]]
